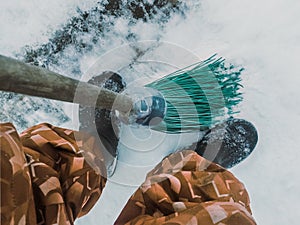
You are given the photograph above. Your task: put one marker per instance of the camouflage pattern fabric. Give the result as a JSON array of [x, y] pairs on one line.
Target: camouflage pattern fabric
[[188, 189], [65, 186], [46, 180], [16, 191]]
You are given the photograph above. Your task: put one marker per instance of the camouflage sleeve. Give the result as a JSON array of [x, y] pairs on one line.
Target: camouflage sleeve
[[65, 185], [187, 189], [16, 192]]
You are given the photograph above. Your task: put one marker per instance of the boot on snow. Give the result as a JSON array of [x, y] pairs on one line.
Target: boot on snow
[[228, 143]]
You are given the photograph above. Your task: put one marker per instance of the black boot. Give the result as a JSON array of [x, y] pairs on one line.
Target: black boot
[[92, 119], [228, 143]]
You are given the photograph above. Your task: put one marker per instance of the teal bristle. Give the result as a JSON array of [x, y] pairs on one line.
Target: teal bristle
[[199, 95]]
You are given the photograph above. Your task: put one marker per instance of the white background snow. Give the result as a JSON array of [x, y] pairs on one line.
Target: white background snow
[[264, 37]]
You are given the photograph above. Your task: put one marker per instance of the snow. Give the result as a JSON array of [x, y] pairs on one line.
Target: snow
[[28, 23], [263, 36]]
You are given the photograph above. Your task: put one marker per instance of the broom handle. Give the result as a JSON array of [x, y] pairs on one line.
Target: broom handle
[[18, 77]]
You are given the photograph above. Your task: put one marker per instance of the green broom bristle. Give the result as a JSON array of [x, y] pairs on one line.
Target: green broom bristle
[[199, 95]]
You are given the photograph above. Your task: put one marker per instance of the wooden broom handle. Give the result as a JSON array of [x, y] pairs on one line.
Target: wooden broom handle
[[19, 77]]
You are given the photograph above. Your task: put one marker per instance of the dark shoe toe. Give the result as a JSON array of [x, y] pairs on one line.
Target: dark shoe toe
[[228, 143]]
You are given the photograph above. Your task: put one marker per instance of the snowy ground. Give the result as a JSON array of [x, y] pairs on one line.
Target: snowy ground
[[263, 36]]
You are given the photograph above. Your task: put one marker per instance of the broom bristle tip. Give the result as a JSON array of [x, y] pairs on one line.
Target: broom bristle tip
[[199, 95]]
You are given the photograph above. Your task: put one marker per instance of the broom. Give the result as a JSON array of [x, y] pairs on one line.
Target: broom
[[190, 99], [199, 95]]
